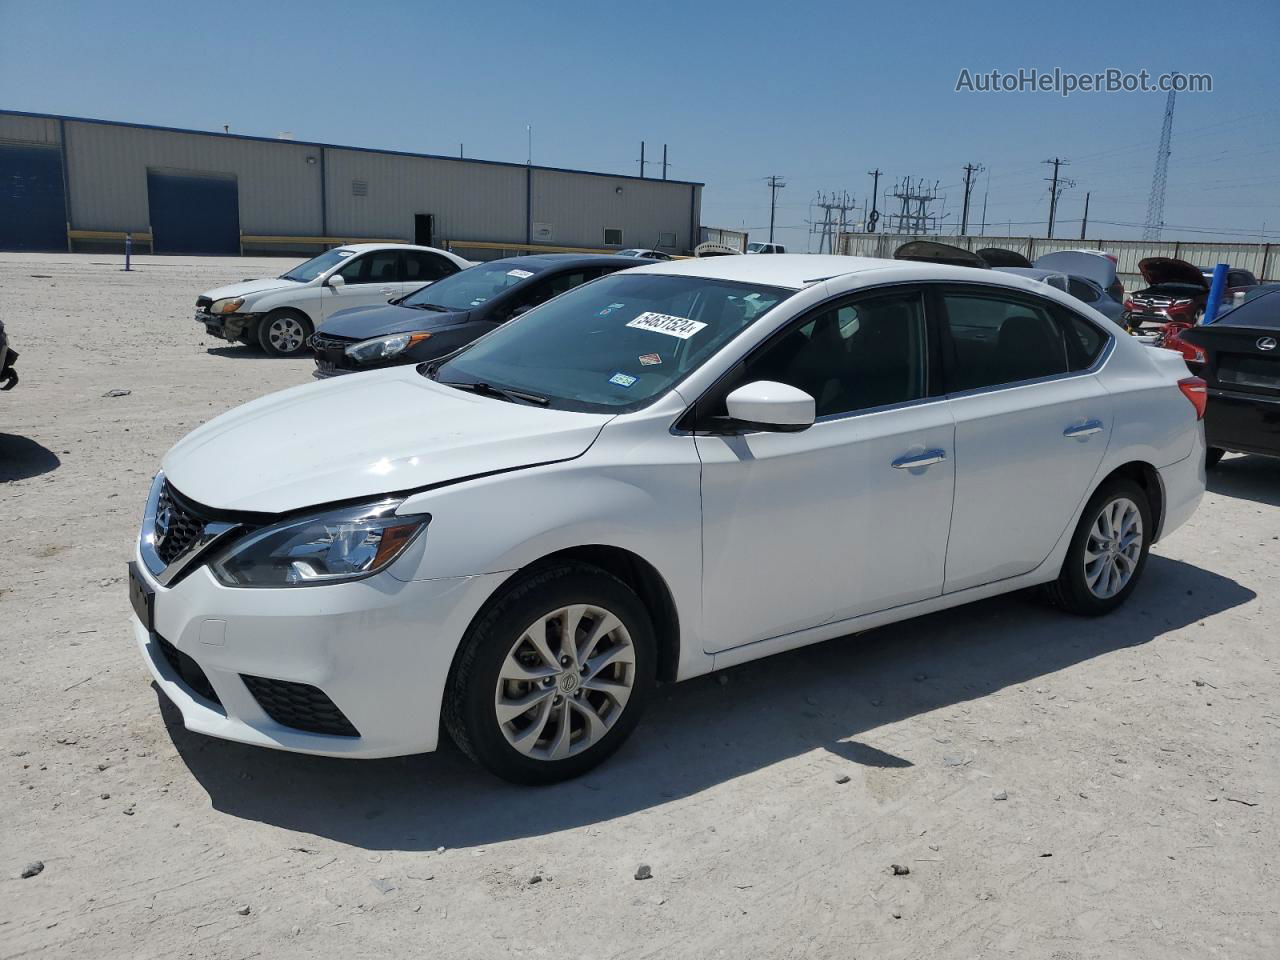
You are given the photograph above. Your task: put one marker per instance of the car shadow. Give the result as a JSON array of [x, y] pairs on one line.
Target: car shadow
[[22, 458], [1247, 477], [833, 696], [241, 351]]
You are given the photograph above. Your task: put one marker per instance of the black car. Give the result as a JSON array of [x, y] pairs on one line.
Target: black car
[[438, 319], [8, 375], [1238, 355]]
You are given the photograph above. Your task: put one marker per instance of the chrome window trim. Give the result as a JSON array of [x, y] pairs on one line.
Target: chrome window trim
[[166, 574]]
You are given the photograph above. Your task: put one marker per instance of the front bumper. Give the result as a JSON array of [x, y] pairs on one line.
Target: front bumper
[[1243, 422], [379, 649], [226, 326]]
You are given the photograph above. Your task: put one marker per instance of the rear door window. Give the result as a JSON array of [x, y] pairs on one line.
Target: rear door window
[[996, 339]]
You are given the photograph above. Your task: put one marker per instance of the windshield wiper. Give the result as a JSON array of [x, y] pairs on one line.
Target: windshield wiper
[[428, 306], [489, 390]]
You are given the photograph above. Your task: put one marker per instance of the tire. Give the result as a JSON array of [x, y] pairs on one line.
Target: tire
[[1092, 590], [498, 665], [284, 333], [1212, 456]]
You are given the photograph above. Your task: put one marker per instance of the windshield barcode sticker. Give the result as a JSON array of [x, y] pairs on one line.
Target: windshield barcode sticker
[[681, 327], [520, 274]]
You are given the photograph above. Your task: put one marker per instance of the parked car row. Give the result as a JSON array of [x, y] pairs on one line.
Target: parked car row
[[658, 472]]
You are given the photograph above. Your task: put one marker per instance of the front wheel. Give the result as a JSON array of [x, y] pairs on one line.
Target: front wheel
[[1108, 551], [553, 677], [284, 333]]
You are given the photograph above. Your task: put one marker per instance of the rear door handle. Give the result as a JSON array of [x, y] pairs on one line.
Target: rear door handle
[[1086, 429], [926, 459]]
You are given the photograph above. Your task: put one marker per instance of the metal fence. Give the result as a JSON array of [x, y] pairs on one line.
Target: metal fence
[[1260, 259]]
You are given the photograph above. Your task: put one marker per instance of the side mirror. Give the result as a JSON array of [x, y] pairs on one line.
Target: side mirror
[[767, 405], [334, 280]]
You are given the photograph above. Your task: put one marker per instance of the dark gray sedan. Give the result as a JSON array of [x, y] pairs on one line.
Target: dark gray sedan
[[441, 317]]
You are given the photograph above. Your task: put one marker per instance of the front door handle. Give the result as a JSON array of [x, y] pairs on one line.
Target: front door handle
[[1086, 429], [926, 459]]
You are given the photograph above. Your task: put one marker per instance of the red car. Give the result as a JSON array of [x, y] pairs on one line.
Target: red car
[[1176, 292]]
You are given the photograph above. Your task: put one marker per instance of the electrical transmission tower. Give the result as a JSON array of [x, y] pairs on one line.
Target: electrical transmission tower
[[914, 215], [835, 208], [1155, 203]]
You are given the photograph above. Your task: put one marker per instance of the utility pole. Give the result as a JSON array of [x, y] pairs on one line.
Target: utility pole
[[775, 183], [529, 129], [986, 191], [874, 216], [969, 170], [1084, 222], [664, 161], [1055, 191], [641, 159]]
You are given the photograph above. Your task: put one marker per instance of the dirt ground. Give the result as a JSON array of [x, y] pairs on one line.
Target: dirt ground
[[1138, 753]]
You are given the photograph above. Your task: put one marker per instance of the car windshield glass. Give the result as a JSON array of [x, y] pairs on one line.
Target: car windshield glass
[[469, 288], [306, 272], [614, 344]]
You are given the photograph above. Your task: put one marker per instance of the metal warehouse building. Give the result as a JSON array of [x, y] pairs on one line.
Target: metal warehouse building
[[68, 183]]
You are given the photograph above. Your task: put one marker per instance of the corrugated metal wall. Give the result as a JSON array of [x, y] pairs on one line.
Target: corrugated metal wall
[[471, 201], [1261, 259], [578, 210], [107, 167], [365, 193], [28, 129]]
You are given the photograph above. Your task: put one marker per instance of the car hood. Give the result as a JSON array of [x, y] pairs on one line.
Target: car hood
[[246, 287], [1158, 270], [365, 322], [363, 436], [1073, 263]]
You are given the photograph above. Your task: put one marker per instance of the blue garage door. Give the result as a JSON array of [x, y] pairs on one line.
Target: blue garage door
[[193, 213], [33, 214]]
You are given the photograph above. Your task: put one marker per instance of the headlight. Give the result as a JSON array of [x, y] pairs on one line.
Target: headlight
[[227, 305], [383, 348], [1180, 303], [348, 543]]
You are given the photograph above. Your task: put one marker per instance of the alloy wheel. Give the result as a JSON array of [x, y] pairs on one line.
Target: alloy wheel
[[1113, 548], [565, 682], [286, 334]]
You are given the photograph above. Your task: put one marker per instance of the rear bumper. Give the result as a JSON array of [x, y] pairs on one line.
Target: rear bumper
[[1183, 487], [1243, 423]]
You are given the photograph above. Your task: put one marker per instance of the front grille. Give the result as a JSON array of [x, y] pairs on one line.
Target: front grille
[[177, 527], [188, 670], [299, 705], [203, 304], [328, 342]]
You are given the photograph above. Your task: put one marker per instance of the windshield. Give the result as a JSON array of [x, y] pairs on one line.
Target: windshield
[[469, 288], [614, 344], [306, 272]]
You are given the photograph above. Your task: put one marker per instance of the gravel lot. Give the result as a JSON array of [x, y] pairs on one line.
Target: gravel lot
[[1138, 754]]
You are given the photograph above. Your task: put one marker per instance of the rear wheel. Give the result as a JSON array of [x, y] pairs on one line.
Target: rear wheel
[[553, 677], [1212, 456], [1108, 551], [284, 333]]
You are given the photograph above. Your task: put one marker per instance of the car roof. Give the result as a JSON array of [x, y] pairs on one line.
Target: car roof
[[798, 270], [547, 261], [365, 247]]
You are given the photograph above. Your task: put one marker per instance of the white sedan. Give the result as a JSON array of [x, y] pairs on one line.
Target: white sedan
[[666, 471], [280, 314]]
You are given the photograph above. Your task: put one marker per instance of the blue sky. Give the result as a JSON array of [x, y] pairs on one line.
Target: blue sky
[[820, 93]]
